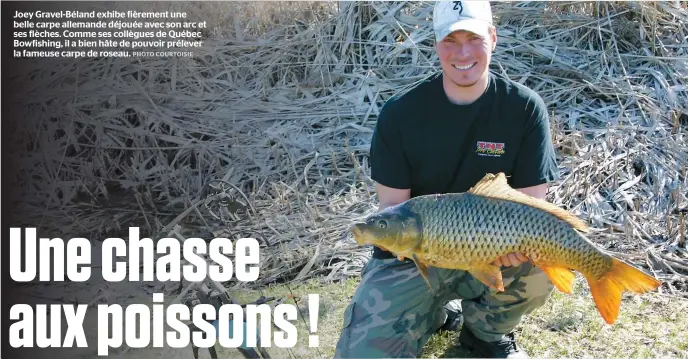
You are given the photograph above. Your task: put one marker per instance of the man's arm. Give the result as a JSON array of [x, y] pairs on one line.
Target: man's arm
[[388, 163], [388, 196], [539, 191]]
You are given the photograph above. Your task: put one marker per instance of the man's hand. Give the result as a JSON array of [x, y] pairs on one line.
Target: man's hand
[[511, 259]]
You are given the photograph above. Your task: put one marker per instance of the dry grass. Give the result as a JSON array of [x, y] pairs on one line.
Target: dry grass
[[272, 119]]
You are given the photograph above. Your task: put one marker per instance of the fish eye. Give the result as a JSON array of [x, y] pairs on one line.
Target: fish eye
[[382, 224]]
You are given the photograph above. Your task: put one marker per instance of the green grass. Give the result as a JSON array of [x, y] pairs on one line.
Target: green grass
[[567, 326]]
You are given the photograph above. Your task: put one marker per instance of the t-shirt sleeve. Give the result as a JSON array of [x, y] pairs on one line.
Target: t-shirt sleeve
[[388, 163], [536, 162]]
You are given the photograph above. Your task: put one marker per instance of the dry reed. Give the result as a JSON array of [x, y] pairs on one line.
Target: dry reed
[[268, 126]]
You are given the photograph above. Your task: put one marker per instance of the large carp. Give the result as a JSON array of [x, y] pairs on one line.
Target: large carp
[[468, 231]]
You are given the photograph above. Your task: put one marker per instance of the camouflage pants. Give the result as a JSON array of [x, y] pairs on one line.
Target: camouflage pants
[[393, 313]]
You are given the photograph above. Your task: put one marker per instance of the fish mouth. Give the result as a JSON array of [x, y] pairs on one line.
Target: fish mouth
[[362, 235], [358, 233]]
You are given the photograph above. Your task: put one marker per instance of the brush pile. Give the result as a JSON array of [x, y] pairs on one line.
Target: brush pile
[[265, 132]]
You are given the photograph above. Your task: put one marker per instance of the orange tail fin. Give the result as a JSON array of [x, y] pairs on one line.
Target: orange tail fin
[[606, 291]]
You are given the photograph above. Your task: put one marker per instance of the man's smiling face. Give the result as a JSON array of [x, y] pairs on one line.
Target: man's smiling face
[[465, 56]]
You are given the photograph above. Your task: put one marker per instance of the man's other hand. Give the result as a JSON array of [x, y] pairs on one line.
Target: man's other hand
[[511, 260]]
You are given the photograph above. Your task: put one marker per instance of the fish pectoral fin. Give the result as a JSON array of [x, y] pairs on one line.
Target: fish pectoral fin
[[489, 274], [496, 186], [423, 268], [561, 277]]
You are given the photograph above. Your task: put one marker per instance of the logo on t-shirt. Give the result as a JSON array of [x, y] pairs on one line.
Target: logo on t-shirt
[[491, 149]]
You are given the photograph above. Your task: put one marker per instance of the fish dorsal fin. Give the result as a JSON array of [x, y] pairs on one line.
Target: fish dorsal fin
[[496, 186]]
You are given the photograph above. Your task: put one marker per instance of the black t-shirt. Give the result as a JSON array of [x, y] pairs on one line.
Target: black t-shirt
[[419, 136]]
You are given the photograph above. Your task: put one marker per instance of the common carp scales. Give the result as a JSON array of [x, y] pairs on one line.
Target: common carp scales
[[468, 231]]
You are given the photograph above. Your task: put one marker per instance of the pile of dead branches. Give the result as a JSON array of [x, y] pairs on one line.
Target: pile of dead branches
[[265, 131]]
